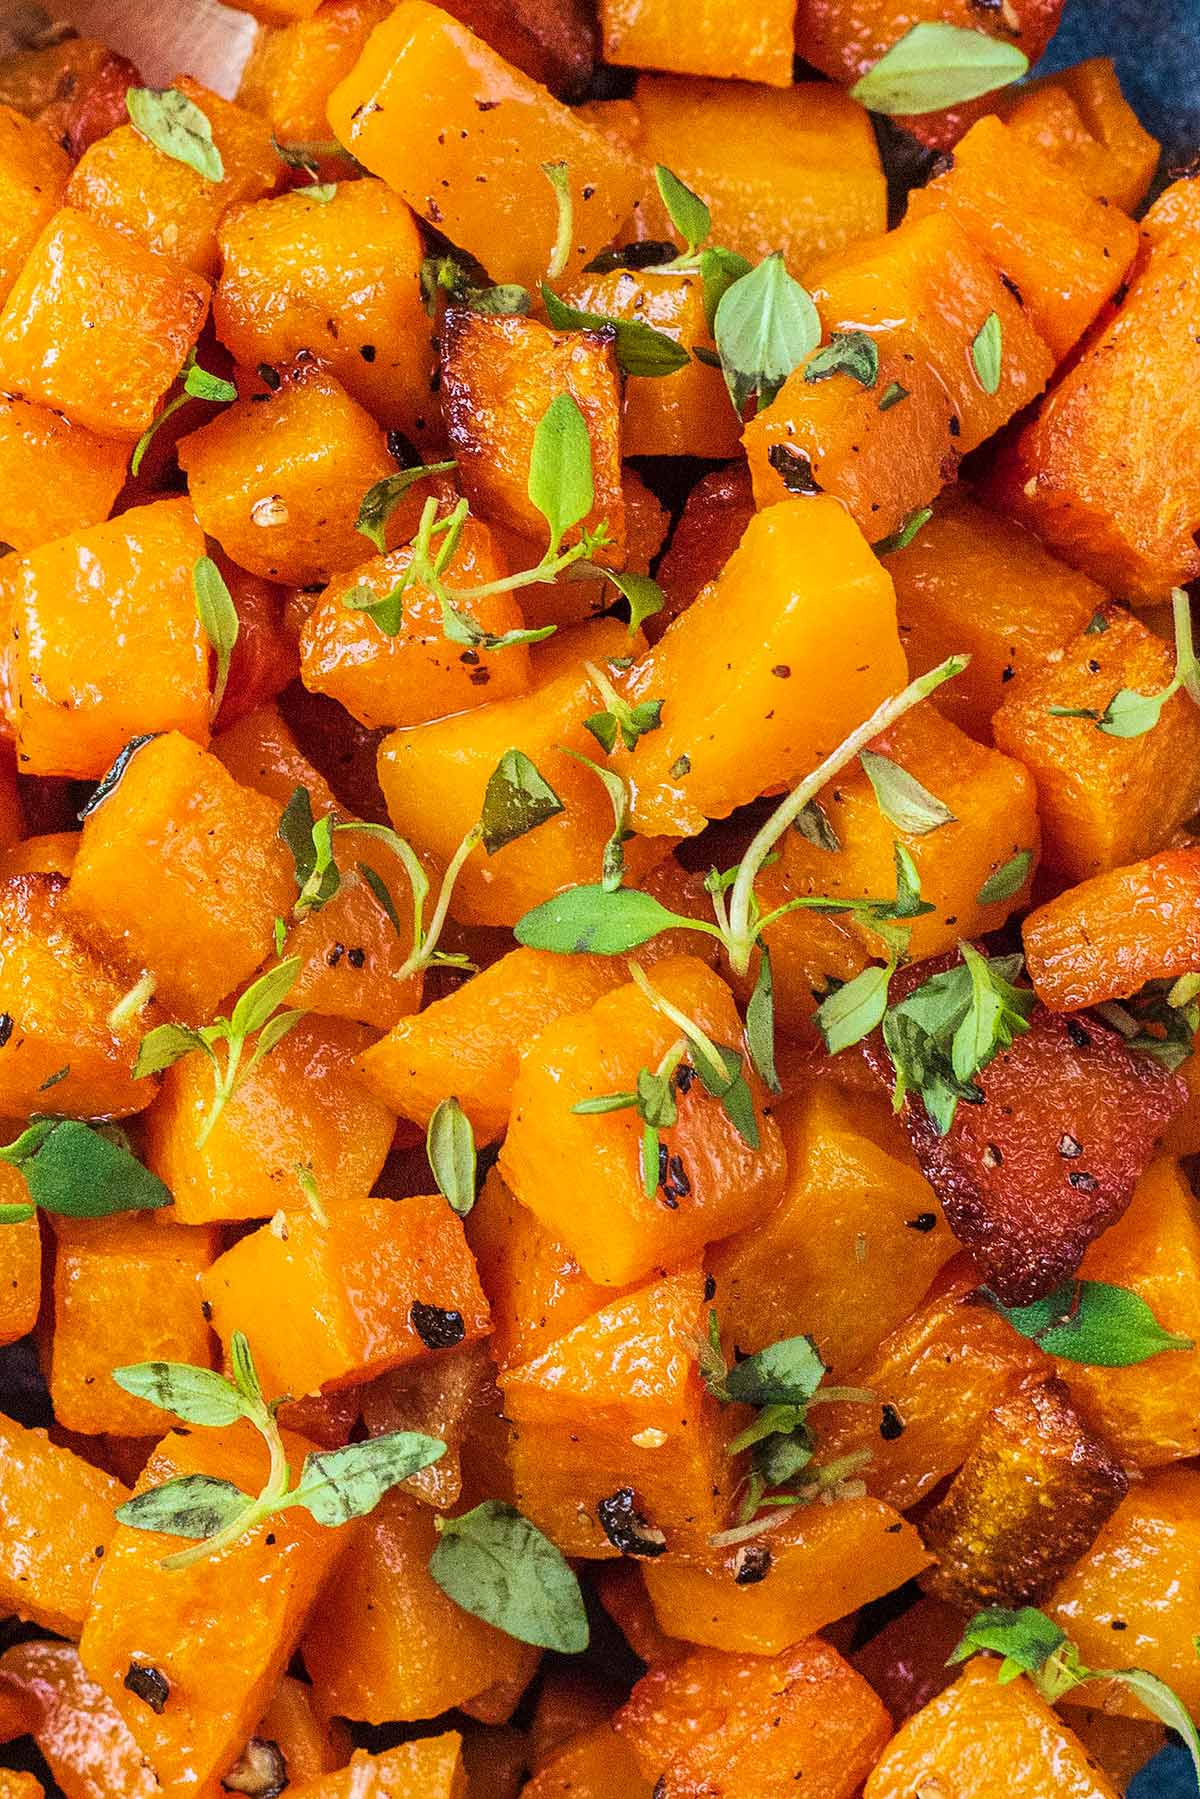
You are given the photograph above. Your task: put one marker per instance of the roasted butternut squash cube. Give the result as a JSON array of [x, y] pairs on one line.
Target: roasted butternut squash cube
[[1150, 1412], [437, 1396], [1014, 1191], [126, 1289], [568, 1703], [81, 1734], [571, 598], [193, 1625], [469, 1042], [1108, 937], [1066, 253], [126, 183], [58, 1519], [20, 1263], [1171, 221], [20, 1786], [434, 778], [802, 1722], [808, 668], [386, 1643], [97, 326], [1108, 473], [701, 40], [1082, 121], [622, 1592], [261, 752], [350, 952], [807, 949], [33, 174], [419, 673], [992, 799], [971, 581], [1029, 1500], [851, 1247], [56, 995], [1126, 1603], [429, 1768], [785, 168], [293, 68], [593, 1763], [935, 1378], [309, 1744], [924, 292], [959, 1739], [383, 1283], [581, 1174], [302, 1106], [107, 641], [499, 376], [823, 1563], [55, 477], [578, 1440], [1103, 801], [180, 873], [460, 134], [338, 278]]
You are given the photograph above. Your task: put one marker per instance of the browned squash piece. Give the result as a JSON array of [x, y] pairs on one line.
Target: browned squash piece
[[436, 1396], [1108, 937], [710, 528]]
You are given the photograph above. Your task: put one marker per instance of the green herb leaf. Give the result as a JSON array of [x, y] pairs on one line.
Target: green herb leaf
[[460, 627], [592, 921], [1026, 1638], [77, 1171], [517, 800], [785, 1373], [902, 799], [506, 300], [760, 1022], [244, 1373], [380, 501], [497, 1565], [1130, 714], [719, 269], [900, 540], [198, 384], [987, 353], [1164, 1704], [560, 468], [262, 996], [852, 353], [450, 1146], [934, 66], [165, 1045], [686, 210], [853, 1010], [218, 616], [813, 825], [1094, 1324], [558, 174], [645, 596], [892, 395], [629, 723], [946, 1031], [176, 126], [612, 868], [196, 1395], [766, 324], [641, 351], [1007, 880], [191, 1505], [336, 1485]]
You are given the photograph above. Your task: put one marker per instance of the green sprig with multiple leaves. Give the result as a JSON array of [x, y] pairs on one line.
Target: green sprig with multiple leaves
[[1130, 713], [333, 1487], [78, 1170], [197, 384]]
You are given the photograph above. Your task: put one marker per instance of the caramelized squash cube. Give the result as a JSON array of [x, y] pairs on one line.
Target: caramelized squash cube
[[20, 1263], [701, 40], [293, 68], [1082, 121], [55, 477], [429, 1768], [58, 1519], [83, 1737], [1108, 937]]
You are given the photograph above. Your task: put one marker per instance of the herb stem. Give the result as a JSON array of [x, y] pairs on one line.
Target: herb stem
[[701, 1045], [423, 952], [544, 571], [131, 1003]]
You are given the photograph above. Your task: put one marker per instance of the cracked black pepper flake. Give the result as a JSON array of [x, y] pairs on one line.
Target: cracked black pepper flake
[[710, 1287], [625, 1527], [6, 1027], [924, 1221], [148, 1684], [357, 958], [993, 1156], [1082, 1181], [794, 469], [891, 1424], [1079, 1037], [751, 1564], [437, 1329]]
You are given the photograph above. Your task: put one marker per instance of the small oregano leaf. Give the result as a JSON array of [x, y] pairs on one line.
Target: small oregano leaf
[[852, 353], [218, 617], [560, 468], [1095, 1325], [176, 126], [760, 1022], [517, 799], [987, 353], [380, 501], [937, 65], [592, 921], [645, 596], [498, 1566], [450, 1146], [902, 799], [339, 1484], [785, 1373], [1026, 1638], [641, 350], [80, 1172], [766, 324], [1007, 880], [191, 1505], [851, 1012], [686, 210], [196, 1395], [165, 1045], [262, 996]]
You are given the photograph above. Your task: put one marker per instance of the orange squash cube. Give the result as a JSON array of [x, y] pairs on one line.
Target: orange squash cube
[[180, 873], [309, 1744], [20, 1263], [959, 1740], [434, 778], [385, 1282], [568, 1703], [386, 1643], [56, 996], [85, 1741], [849, 1251], [127, 184], [572, 598], [785, 168], [293, 68], [260, 752], [97, 326], [622, 1592], [972, 581], [278, 479], [301, 1106], [55, 477], [499, 376], [460, 135], [822, 1564], [582, 1174], [469, 1043], [430, 1768], [1082, 121], [1108, 937], [578, 1441], [418, 674], [20, 1786], [802, 1723], [350, 951], [701, 40], [126, 1289], [1065, 252], [340, 279], [58, 1519], [594, 1763], [33, 174], [193, 1624], [107, 641], [1126, 1603], [1103, 801], [813, 612]]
